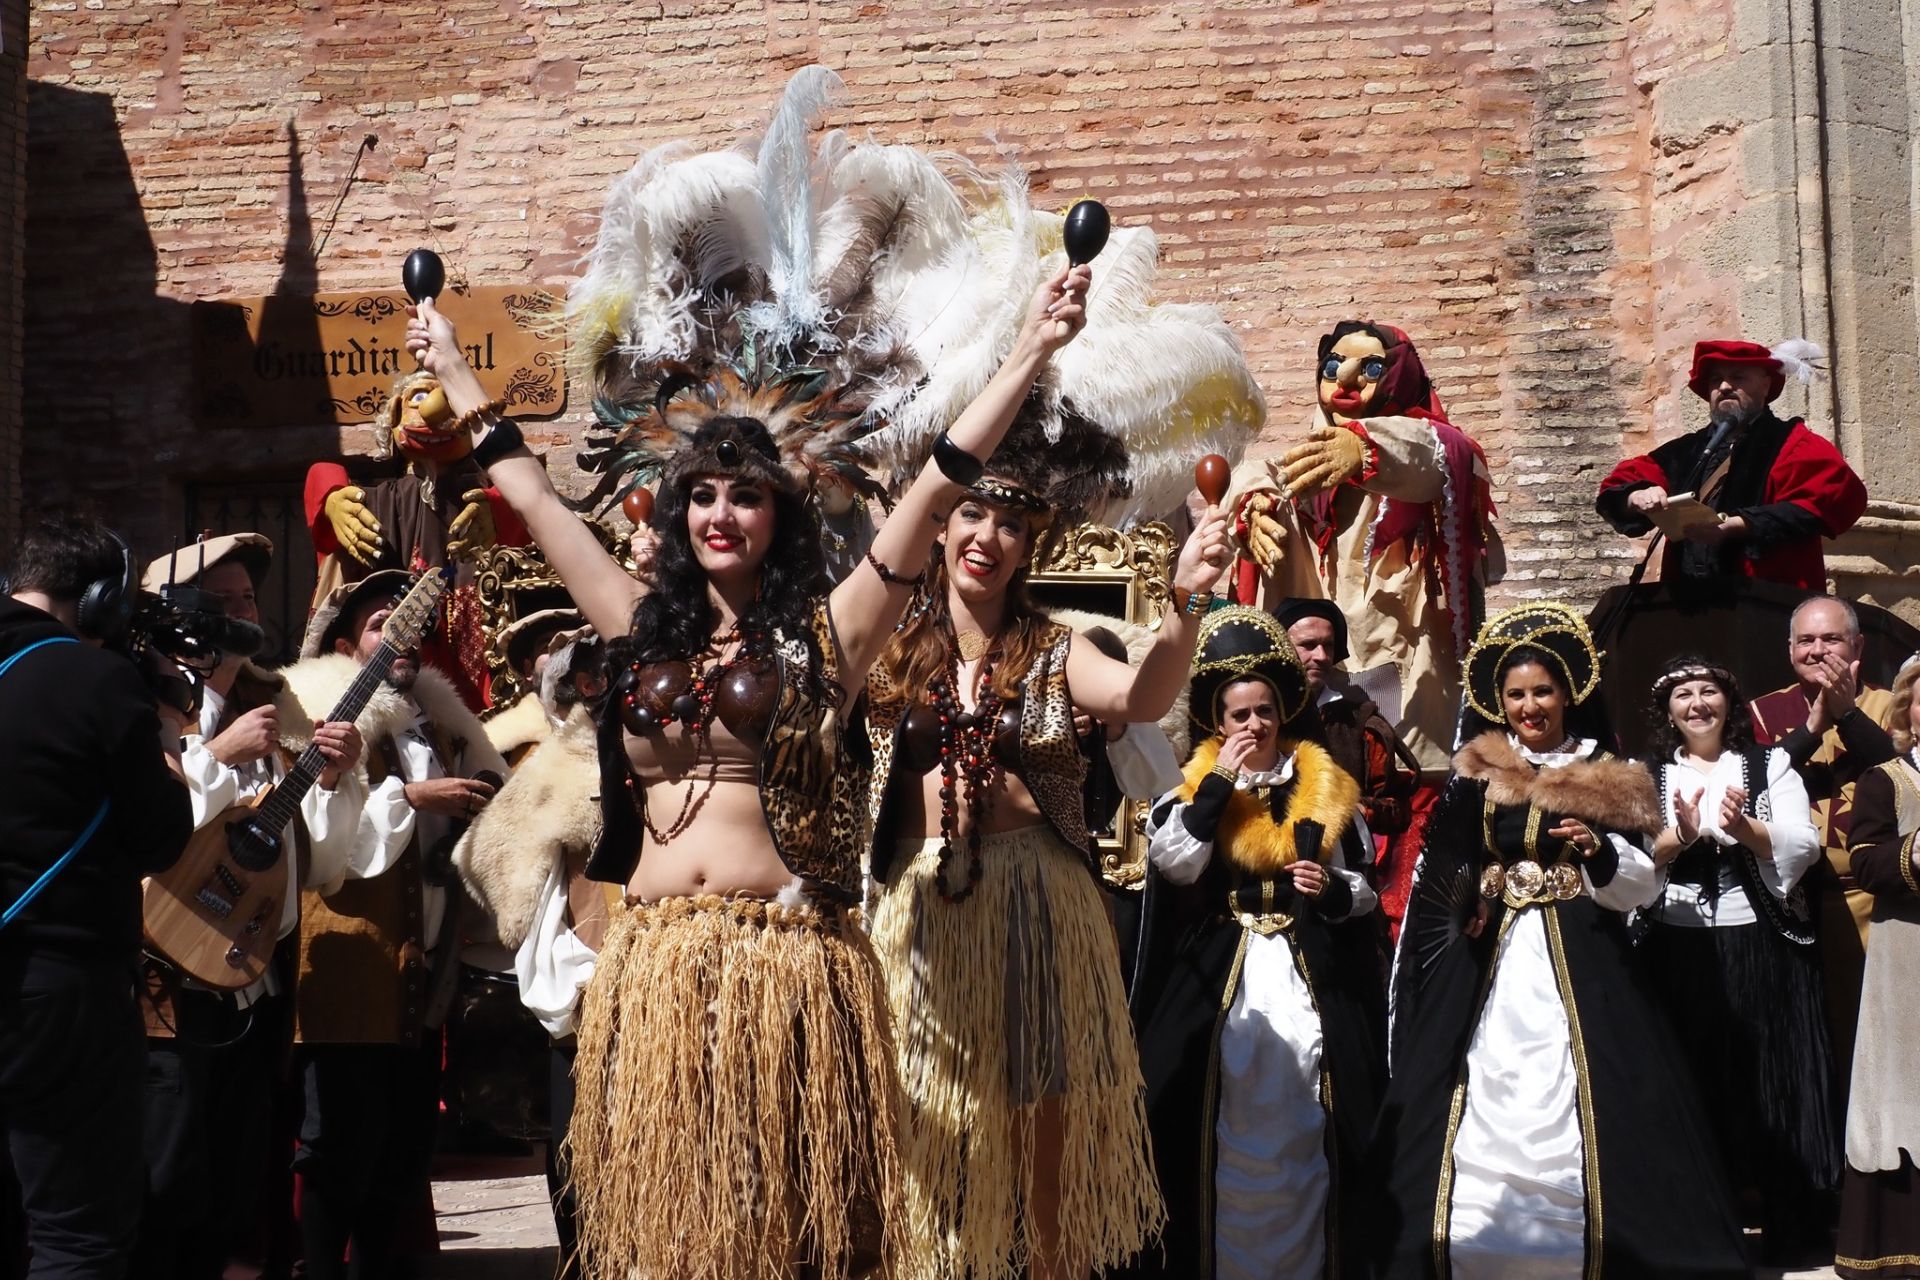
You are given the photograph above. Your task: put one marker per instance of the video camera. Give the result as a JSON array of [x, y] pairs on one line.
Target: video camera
[[178, 635]]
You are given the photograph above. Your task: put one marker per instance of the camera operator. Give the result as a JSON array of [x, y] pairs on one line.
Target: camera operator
[[88, 766], [215, 1059]]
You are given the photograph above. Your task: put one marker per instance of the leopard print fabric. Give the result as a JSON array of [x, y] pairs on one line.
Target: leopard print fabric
[[808, 758]]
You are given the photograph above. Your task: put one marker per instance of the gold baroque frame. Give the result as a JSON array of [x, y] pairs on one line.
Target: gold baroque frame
[[514, 581], [1132, 567]]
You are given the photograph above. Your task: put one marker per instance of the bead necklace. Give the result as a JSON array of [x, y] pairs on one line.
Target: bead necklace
[[694, 708], [966, 763]]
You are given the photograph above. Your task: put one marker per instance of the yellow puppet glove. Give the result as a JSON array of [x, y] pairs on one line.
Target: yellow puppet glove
[[472, 534], [354, 527], [1330, 456], [1264, 534]]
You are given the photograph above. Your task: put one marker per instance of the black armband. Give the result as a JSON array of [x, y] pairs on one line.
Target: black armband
[[955, 463], [502, 439]]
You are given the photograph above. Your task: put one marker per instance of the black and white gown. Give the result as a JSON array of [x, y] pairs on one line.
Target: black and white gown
[[1539, 1123]]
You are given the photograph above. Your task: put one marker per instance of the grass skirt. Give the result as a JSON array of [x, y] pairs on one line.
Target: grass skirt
[[736, 1114], [1001, 1002]]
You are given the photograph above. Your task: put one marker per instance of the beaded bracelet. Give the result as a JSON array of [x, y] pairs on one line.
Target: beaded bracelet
[[472, 417], [1191, 603], [890, 577]]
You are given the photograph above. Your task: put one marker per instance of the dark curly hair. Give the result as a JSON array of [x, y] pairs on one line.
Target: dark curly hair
[[675, 619], [1585, 720], [1663, 739]]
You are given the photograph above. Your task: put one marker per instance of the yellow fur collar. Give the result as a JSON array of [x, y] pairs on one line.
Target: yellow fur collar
[[1248, 835]]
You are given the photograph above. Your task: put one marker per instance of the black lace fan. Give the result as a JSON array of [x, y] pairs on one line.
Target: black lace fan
[[1444, 904]]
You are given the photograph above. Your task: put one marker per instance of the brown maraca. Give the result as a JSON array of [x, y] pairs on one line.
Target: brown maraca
[[638, 506], [1210, 476]]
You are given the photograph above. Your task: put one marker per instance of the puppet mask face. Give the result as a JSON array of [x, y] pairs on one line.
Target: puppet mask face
[[425, 429], [1350, 376]]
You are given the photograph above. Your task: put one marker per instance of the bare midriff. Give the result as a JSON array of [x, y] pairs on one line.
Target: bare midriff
[[919, 814], [723, 846]]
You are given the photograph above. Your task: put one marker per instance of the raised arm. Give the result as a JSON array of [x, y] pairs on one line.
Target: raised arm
[[867, 604], [1113, 691], [604, 591]]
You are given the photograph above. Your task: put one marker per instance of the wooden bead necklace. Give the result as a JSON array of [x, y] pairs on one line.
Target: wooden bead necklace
[[967, 764]]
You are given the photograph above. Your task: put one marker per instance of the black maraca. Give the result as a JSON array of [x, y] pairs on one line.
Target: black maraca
[[1086, 231], [424, 275]]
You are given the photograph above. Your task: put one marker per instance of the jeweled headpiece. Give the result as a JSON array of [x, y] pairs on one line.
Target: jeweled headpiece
[[1554, 629], [1239, 643]]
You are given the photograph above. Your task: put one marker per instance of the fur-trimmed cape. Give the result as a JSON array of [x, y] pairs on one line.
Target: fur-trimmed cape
[[1248, 834], [1617, 794], [550, 807]]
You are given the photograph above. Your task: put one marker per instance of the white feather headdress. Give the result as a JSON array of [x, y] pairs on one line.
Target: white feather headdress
[[883, 293]]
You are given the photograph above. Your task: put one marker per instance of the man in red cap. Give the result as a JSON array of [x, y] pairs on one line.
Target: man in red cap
[[1778, 487]]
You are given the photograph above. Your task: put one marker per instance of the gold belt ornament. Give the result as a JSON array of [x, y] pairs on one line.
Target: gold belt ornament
[[1266, 924], [1526, 883]]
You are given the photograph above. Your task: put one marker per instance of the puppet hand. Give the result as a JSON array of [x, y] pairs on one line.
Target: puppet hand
[[1265, 534], [1330, 456], [354, 527], [472, 531]]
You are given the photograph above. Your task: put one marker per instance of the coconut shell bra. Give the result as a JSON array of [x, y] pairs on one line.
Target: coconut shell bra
[[918, 749]]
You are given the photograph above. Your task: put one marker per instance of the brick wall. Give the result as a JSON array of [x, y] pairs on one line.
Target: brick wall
[[1490, 175]]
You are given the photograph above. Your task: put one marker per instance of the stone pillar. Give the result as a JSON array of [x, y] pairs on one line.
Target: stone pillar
[[13, 226]]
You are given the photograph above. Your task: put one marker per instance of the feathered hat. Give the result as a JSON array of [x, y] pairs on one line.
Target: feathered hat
[[1795, 357], [1238, 643], [854, 298], [1553, 628]]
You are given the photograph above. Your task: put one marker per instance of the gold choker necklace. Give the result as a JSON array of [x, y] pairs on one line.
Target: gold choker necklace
[[971, 645]]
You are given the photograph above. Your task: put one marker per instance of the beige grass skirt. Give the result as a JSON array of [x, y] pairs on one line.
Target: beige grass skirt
[[736, 1114], [1003, 1002]]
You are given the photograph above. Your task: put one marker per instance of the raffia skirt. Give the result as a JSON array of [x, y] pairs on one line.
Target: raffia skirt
[[737, 1116], [1003, 1003]]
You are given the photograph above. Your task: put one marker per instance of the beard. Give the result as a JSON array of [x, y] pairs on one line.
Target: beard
[[402, 674], [1729, 415]]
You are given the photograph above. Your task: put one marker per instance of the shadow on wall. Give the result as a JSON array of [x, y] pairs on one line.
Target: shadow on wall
[[108, 385]]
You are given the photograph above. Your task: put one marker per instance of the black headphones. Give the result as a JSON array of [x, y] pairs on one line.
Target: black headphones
[[106, 606]]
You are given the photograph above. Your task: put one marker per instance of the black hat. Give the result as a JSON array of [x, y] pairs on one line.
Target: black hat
[[1294, 608], [1238, 643], [1546, 625]]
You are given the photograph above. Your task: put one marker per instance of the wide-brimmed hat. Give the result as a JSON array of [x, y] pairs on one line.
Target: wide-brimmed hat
[[1547, 625], [526, 638], [337, 610], [1239, 643], [184, 565]]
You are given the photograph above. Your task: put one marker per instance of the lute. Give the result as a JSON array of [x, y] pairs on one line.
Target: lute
[[215, 914]]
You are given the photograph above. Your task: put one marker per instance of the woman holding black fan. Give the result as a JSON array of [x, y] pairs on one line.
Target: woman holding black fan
[[1539, 1122]]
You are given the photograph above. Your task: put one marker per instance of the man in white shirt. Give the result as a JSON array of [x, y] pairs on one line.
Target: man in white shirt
[[379, 944], [214, 1059]]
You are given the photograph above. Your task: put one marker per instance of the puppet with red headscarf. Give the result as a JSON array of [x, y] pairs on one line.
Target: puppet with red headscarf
[[439, 513], [1386, 509], [1778, 487]]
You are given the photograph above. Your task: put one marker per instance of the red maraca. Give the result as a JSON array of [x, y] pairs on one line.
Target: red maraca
[[1211, 475], [638, 506]]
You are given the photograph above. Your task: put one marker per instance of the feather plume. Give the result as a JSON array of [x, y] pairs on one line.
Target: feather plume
[[1800, 359], [789, 196]]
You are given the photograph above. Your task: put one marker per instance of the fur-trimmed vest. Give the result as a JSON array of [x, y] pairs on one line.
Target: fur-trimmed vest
[[363, 953], [520, 727], [549, 810], [1251, 836]]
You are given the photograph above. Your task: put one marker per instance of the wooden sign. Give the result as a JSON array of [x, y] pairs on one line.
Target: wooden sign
[[333, 357]]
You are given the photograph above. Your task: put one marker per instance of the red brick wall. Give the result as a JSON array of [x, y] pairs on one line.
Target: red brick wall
[[1486, 174]]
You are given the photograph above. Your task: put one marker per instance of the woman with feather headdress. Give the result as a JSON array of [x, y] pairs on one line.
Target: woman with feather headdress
[[1027, 1145], [1539, 1122], [737, 1114], [1260, 1041]]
